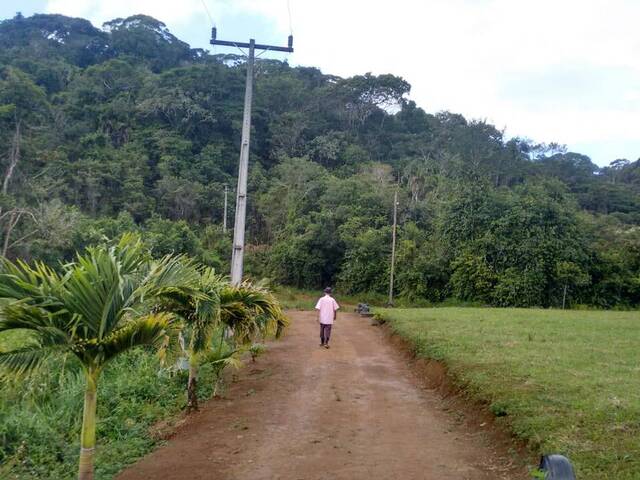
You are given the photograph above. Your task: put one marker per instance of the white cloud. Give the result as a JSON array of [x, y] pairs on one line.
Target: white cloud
[[459, 55]]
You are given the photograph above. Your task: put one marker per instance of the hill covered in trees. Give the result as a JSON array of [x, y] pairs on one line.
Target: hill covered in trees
[[128, 128]]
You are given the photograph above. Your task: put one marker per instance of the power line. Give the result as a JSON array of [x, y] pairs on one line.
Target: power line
[[206, 9], [289, 11]]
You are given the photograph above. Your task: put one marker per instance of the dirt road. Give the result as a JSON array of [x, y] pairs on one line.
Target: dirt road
[[356, 411]]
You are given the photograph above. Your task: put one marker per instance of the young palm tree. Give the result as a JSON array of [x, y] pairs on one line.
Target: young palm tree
[[223, 354], [251, 311], [201, 313], [96, 308], [247, 310]]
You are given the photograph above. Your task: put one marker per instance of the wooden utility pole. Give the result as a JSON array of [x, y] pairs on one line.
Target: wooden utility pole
[[224, 221], [393, 246], [237, 257]]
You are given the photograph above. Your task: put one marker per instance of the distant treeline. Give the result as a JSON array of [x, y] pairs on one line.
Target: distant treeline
[[128, 128]]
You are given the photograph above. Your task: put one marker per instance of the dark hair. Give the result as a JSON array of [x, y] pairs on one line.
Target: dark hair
[[327, 290]]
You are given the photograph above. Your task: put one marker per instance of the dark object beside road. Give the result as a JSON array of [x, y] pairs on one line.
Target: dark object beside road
[[556, 467], [364, 310]]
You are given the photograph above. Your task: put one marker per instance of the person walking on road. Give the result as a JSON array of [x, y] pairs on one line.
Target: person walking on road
[[327, 308]]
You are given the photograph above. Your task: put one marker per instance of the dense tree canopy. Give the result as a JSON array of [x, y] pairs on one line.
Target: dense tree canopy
[[128, 128]]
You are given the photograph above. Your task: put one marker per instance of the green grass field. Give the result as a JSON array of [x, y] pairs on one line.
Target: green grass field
[[564, 381]]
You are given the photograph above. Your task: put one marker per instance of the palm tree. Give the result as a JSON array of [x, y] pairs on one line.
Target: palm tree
[[201, 313], [97, 307], [223, 353], [251, 311], [246, 310]]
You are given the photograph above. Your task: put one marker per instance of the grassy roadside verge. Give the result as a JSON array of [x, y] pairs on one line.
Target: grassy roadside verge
[[563, 381], [40, 418], [299, 299]]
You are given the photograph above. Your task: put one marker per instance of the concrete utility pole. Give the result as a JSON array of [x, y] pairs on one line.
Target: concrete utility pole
[[224, 221], [393, 246], [237, 257]]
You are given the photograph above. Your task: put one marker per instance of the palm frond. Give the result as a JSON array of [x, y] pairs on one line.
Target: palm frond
[[131, 252], [212, 281], [21, 281], [102, 290], [226, 358], [201, 312], [20, 315], [25, 360], [101, 284], [95, 292], [251, 311], [22, 361], [157, 330], [201, 324], [172, 275], [103, 303]]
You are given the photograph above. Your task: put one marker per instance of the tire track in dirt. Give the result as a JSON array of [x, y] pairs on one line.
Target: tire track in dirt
[[305, 413]]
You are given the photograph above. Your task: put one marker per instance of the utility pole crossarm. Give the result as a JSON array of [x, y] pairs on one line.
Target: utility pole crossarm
[[256, 46]]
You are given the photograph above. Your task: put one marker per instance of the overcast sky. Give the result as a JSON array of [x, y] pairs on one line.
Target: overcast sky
[[551, 70]]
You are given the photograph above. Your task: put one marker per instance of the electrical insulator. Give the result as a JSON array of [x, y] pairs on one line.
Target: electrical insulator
[[214, 33], [290, 41]]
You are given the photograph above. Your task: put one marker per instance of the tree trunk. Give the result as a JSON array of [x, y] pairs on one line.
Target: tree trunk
[[7, 235], [217, 378], [216, 385], [564, 295], [88, 436], [192, 387], [14, 158]]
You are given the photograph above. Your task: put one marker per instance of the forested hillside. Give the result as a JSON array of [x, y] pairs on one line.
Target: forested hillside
[[128, 128]]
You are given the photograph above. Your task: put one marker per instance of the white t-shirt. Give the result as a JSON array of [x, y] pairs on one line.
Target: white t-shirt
[[327, 305]]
